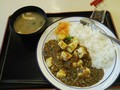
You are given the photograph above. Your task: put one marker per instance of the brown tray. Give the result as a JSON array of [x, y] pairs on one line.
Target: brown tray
[[18, 63]]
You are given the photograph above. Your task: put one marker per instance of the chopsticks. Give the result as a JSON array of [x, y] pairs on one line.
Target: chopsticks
[[96, 2]]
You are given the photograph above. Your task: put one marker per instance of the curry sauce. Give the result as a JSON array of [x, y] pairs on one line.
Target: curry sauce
[[71, 66]]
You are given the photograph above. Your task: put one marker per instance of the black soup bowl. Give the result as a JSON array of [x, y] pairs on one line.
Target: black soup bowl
[[28, 21]]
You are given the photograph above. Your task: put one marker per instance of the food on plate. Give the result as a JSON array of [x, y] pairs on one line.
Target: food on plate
[[49, 61], [29, 22], [72, 68], [62, 30], [62, 44], [71, 56], [101, 49], [73, 45], [61, 73], [65, 55]]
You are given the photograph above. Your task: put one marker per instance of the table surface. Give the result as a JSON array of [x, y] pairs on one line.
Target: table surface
[[55, 6]]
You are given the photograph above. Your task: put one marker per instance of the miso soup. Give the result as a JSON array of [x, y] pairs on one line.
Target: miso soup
[[29, 22]]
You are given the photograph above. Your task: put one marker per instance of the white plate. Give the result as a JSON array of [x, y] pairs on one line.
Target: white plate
[[110, 75]]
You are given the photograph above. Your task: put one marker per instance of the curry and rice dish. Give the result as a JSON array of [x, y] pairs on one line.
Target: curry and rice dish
[[69, 61]]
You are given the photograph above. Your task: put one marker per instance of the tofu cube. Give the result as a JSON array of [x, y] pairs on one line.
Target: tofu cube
[[72, 46], [82, 51], [75, 52], [74, 64], [61, 74], [80, 74], [86, 72], [49, 62], [79, 63], [65, 56], [75, 40], [62, 44]]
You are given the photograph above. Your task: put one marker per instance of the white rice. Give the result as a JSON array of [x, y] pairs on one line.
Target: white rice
[[100, 47]]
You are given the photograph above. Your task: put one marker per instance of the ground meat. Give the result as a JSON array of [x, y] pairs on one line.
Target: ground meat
[[52, 49]]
